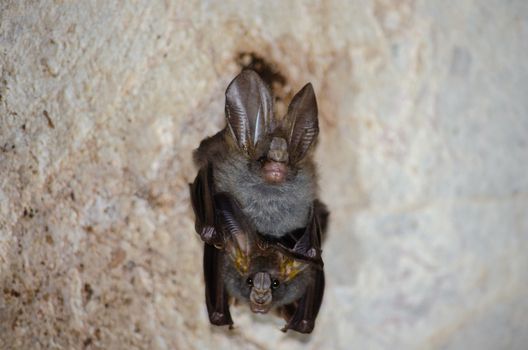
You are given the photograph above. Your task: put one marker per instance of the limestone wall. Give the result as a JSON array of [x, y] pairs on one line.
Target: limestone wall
[[423, 160]]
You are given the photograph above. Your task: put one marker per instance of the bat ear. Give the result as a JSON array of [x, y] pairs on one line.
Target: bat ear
[[249, 110], [237, 238], [301, 123], [290, 267]]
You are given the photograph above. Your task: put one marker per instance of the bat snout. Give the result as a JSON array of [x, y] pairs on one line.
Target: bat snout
[[274, 172], [275, 168], [260, 302], [278, 151], [260, 296]]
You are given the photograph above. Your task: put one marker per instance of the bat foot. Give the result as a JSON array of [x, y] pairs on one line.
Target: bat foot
[[304, 326], [219, 319], [209, 235], [312, 253]]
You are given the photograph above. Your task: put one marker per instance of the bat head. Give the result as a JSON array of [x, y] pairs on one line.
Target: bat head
[[262, 274], [273, 146]]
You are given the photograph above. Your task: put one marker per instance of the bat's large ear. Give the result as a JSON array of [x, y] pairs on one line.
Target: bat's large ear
[[301, 123], [290, 267], [249, 110], [237, 238]]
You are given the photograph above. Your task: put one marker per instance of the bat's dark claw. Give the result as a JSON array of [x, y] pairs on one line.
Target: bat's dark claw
[[208, 234], [304, 326], [219, 319]]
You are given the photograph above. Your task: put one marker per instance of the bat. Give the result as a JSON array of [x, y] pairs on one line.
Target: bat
[[238, 253], [266, 276], [263, 161], [258, 174]]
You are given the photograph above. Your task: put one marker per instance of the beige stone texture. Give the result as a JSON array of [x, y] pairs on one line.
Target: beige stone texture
[[423, 158]]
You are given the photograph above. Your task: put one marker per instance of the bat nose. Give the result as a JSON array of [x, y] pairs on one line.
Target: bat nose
[[262, 281], [261, 291], [278, 151], [261, 298]]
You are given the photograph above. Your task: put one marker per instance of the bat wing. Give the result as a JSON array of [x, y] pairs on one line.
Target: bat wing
[[234, 230], [305, 243], [202, 192], [322, 214], [237, 233], [302, 314], [211, 230], [216, 296]]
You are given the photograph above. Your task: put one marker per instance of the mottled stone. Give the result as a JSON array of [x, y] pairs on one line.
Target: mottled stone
[[423, 157]]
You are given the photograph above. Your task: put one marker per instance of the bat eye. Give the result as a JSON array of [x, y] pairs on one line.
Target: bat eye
[[249, 281], [275, 284]]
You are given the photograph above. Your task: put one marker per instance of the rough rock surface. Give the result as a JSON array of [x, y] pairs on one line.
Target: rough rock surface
[[423, 161]]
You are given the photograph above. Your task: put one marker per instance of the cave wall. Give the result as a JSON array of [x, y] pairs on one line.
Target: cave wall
[[422, 158]]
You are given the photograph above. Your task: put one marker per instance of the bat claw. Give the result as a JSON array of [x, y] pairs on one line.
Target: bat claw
[[219, 319], [304, 326], [208, 234]]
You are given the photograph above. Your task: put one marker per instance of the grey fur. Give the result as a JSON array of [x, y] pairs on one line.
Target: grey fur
[[274, 209]]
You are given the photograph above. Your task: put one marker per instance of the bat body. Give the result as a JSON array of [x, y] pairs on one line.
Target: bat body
[[274, 209], [256, 209], [260, 272], [264, 161]]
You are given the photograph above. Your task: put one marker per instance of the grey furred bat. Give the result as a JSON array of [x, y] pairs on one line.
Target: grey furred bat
[[255, 271], [256, 209], [263, 161]]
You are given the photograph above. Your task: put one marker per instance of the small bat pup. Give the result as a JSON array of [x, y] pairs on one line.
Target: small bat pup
[[256, 209], [255, 270]]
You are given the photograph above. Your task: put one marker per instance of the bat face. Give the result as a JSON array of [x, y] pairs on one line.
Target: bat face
[[263, 276]]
